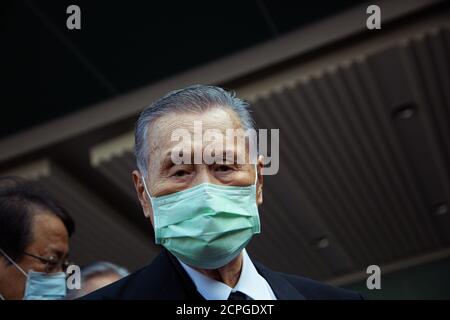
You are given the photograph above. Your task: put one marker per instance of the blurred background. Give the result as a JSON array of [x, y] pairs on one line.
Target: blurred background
[[363, 116]]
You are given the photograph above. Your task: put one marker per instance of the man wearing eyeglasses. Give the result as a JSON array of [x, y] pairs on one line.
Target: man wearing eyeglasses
[[34, 242]]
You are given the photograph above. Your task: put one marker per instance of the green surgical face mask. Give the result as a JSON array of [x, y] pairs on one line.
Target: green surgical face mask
[[206, 226]]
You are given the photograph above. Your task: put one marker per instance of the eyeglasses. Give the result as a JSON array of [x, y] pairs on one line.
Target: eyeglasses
[[52, 264]]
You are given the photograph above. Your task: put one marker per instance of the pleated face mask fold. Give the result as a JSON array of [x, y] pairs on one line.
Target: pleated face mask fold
[[206, 226]]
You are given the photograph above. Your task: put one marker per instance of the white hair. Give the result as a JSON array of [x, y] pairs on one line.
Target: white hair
[[195, 99]]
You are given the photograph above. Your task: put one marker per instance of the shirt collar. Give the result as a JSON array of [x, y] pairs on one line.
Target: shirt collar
[[250, 283]]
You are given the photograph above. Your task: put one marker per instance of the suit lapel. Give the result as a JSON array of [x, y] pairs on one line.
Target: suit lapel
[[179, 286], [282, 288], [186, 287]]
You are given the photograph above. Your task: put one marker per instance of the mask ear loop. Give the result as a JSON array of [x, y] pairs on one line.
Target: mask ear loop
[[13, 262], [148, 194], [256, 174]]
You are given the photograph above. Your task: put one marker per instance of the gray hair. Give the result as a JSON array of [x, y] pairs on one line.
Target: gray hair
[[95, 269], [101, 268], [195, 99]]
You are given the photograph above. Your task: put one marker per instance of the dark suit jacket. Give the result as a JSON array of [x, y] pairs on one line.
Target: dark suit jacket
[[165, 279]]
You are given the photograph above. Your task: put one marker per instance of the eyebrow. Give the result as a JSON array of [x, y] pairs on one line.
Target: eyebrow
[[58, 253], [168, 163]]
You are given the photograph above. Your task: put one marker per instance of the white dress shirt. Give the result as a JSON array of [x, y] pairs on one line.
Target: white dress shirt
[[250, 283]]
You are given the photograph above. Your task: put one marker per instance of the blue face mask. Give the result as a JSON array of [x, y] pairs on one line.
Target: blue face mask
[[40, 285], [43, 286], [206, 226]]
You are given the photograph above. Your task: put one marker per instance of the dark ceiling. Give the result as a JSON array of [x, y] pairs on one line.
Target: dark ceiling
[[49, 71]]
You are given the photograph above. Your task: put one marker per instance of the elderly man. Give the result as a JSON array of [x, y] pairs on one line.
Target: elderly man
[[204, 213]]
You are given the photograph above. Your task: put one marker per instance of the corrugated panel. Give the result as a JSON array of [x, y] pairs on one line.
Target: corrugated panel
[[101, 232], [118, 171], [364, 151]]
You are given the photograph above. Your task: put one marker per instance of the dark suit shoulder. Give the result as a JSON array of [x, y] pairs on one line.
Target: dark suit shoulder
[[313, 289], [158, 280], [164, 279], [288, 286]]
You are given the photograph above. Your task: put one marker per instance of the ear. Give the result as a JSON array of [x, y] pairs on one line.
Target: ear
[[260, 180], [142, 195]]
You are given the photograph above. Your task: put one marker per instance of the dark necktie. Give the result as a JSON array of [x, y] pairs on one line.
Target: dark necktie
[[237, 296]]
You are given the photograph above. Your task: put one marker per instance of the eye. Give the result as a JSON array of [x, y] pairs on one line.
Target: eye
[[180, 173], [52, 260], [223, 168]]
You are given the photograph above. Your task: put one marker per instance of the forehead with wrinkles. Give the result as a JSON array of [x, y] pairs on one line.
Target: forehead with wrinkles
[[160, 131]]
